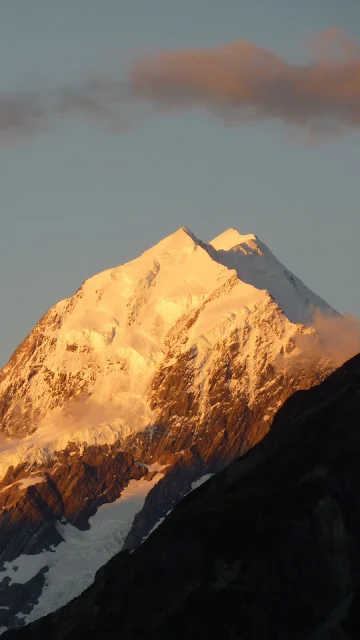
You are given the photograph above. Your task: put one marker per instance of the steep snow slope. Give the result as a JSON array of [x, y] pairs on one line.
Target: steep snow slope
[[254, 262], [84, 372]]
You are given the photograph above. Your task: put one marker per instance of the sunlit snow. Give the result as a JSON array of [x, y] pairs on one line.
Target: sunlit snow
[[114, 335]]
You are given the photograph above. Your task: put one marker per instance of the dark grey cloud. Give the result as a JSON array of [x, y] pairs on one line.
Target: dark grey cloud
[[21, 114]]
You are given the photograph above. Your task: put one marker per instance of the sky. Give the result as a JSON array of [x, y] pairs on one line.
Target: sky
[[123, 120]]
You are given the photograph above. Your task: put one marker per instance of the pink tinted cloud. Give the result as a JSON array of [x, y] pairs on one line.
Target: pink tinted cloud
[[241, 81], [334, 338]]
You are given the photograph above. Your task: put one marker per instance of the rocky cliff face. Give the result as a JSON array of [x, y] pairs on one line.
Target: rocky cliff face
[[267, 549], [153, 376]]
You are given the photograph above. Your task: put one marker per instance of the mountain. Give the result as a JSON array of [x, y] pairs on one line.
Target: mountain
[[153, 376], [269, 548]]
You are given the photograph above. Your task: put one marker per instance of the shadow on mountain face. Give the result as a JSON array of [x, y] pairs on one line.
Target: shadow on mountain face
[[268, 549]]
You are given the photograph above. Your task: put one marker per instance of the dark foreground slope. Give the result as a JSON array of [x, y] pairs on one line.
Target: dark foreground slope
[[267, 549]]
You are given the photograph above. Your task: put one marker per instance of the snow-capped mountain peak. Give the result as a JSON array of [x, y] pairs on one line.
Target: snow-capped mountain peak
[[255, 264], [181, 240], [104, 345], [167, 363], [232, 238]]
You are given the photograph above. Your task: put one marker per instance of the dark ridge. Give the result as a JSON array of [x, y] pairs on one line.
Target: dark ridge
[[268, 549]]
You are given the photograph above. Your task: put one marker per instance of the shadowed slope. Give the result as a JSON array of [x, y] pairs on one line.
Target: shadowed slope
[[267, 549]]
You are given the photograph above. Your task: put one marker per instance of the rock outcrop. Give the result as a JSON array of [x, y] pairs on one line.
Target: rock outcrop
[[269, 548]]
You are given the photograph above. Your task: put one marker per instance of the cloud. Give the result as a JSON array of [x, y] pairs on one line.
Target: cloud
[[98, 98], [339, 336], [21, 114], [333, 44], [242, 82], [332, 339], [238, 82]]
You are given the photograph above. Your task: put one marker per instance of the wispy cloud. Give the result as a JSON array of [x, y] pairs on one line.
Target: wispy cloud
[[334, 339], [101, 99], [238, 82], [339, 336], [21, 114]]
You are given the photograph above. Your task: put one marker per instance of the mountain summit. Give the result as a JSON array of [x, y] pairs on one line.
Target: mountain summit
[[89, 363], [153, 375]]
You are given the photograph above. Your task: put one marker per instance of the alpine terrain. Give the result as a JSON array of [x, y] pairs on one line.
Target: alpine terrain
[[268, 549], [128, 395]]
